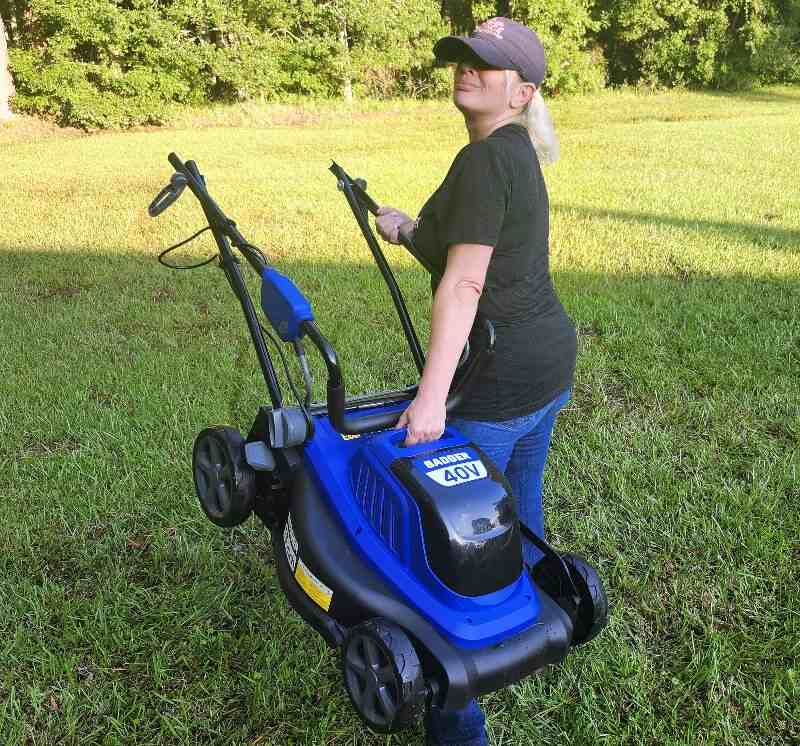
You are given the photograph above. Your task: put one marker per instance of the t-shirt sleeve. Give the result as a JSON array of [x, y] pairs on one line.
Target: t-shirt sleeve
[[473, 207]]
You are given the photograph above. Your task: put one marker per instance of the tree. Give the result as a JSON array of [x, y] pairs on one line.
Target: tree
[[6, 83], [458, 13]]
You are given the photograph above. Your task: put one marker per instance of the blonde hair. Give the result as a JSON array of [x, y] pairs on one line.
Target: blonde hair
[[535, 117]]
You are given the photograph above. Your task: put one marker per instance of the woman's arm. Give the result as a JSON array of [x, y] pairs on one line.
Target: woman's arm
[[455, 304]]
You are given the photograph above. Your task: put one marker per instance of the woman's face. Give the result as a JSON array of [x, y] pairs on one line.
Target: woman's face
[[479, 89]]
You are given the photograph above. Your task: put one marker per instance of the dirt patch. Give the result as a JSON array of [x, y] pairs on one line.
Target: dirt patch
[[164, 294], [682, 271], [103, 398], [59, 291], [590, 330], [138, 543], [38, 448], [781, 432]]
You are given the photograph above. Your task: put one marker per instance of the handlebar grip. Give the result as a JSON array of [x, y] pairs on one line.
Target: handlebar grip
[[191, 167], [370, 423], [167, 195], [360, 190], [175, 162]]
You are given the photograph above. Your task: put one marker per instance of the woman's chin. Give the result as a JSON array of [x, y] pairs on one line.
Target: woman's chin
[[465, 101]]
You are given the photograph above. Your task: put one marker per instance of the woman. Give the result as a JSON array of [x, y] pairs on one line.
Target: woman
[[486, 230]]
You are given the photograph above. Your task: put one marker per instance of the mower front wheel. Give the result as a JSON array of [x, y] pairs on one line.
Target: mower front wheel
[[383, 676], [224, 481]]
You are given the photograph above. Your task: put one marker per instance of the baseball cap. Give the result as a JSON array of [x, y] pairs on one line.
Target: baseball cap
[[499, 42]]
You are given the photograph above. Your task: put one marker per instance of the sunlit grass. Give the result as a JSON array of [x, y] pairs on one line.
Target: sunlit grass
[[675, 240]]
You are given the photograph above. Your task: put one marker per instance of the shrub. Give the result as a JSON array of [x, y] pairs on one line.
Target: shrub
[[727, 43], [104, 63]]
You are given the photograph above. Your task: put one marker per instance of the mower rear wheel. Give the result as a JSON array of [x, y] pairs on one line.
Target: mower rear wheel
[[383, 675], [224, 481], [592, 613]]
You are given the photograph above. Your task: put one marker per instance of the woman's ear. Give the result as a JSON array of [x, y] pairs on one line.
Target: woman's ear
[[523, 95]]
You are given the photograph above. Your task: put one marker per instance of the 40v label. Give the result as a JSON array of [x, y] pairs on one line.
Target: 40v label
[[466, 471]]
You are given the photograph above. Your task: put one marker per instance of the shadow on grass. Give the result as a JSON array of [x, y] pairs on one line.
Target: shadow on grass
[[766, 236], [74, 296]]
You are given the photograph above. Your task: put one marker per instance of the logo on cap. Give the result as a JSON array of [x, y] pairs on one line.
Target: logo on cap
[[493, 26]]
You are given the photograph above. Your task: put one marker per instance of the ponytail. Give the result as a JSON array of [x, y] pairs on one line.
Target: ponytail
[[536, 118]]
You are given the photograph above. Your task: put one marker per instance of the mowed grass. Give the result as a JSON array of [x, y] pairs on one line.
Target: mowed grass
[[125, 617]]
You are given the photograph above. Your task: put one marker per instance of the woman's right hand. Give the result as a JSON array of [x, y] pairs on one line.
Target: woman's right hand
[[390, 221]]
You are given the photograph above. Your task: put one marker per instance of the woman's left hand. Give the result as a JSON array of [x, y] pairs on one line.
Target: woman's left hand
[[424, 421], [390, 222]]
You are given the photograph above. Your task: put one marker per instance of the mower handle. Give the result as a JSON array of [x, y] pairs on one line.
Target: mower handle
[[404, 236], [188, 174], [349, 425], [220, 224], [359, 187]]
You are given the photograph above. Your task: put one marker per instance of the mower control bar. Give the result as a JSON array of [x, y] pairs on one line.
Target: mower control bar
[[167, 195], [219, 223]]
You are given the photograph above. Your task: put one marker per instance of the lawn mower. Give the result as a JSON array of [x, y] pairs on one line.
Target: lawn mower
[[408, 560]]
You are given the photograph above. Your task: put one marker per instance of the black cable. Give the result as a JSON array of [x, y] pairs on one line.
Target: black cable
[[300, 351], [304, 405], [183, 243], [306, 376], [248, 245]]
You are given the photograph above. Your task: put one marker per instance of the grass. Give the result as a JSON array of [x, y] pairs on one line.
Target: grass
[[125, 617]]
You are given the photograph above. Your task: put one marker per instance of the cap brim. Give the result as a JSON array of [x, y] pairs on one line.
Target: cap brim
[[454, 49]]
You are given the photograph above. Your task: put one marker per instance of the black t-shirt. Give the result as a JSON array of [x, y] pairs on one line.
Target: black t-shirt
[[494, 194]]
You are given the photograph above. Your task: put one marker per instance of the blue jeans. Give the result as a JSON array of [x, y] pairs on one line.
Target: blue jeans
[[519, 449]]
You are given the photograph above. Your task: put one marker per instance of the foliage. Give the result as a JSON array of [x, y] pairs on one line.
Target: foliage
[[723, 43], [101, 63], [383, 47], [97, 63]]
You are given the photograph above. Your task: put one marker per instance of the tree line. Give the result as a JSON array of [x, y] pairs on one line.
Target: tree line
[[102, 63]]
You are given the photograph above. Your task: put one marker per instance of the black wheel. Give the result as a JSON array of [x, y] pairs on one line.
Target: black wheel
[[383, 675], [224, 481], [592, 613]]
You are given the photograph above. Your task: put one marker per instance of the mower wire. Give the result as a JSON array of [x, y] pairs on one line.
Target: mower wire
[[183, 243], [303, 403]]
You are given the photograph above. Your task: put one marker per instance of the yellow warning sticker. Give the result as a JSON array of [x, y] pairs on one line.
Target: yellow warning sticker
[[317, 591]]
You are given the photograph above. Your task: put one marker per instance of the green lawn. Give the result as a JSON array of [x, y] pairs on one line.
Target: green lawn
[[125, 617]]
